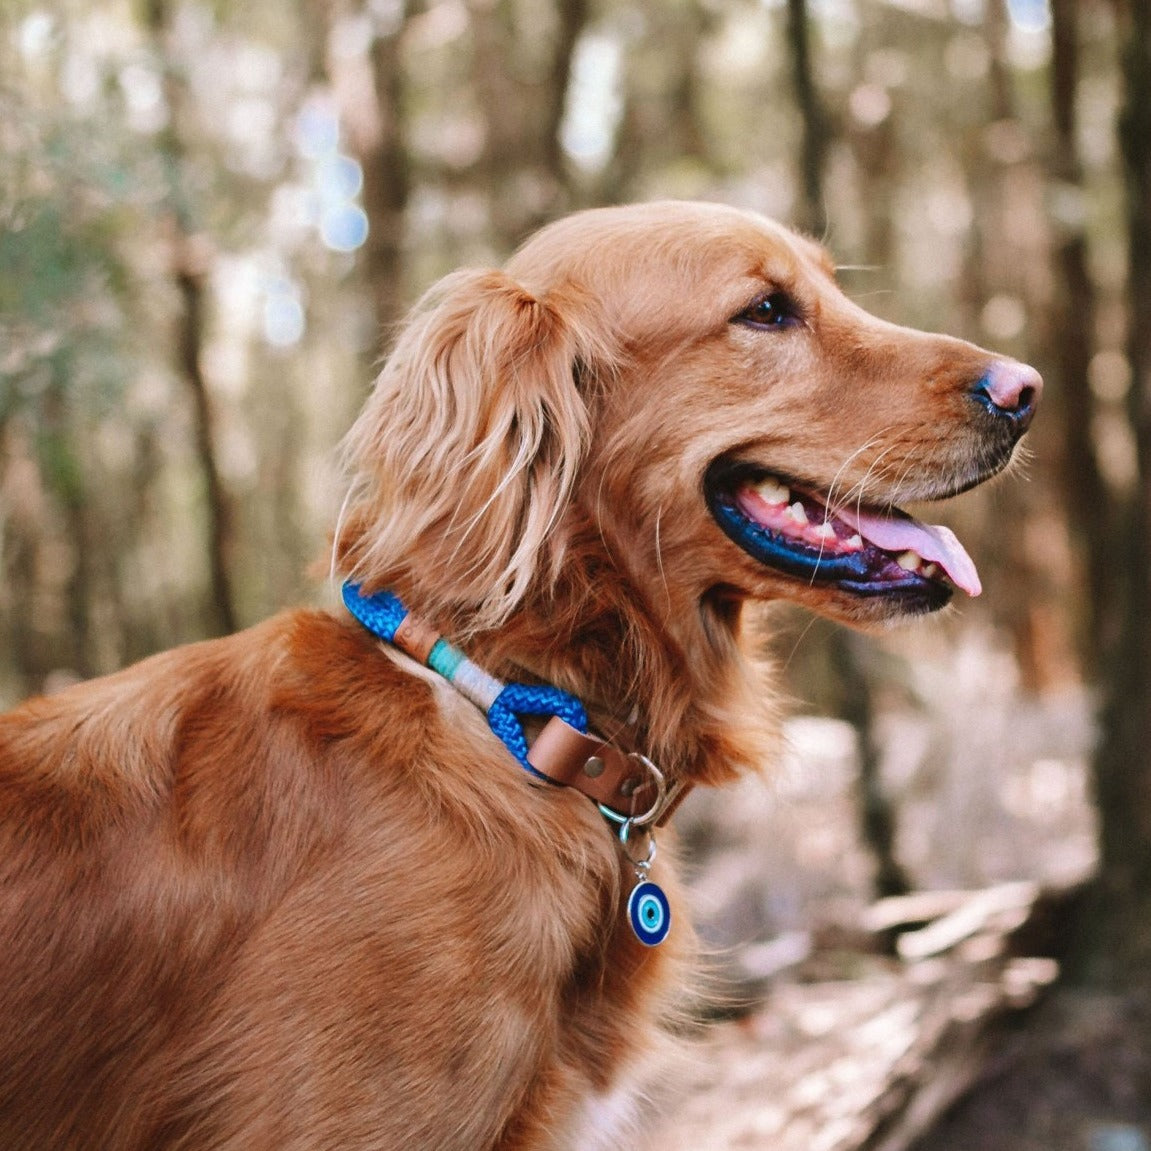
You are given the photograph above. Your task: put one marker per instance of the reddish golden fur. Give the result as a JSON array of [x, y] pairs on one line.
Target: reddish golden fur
[[283, 890]]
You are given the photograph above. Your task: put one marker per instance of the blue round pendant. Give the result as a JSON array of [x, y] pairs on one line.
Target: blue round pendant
[[649, 913]]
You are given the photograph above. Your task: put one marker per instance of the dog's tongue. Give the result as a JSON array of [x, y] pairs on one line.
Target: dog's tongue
[[936, 544]]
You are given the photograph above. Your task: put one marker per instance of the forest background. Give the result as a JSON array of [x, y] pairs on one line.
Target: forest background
[[213, 213]]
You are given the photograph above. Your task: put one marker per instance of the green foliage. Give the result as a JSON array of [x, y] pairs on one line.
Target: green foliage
[[67, 281]]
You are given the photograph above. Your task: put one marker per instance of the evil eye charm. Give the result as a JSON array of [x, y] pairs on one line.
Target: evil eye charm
[[649, 913]]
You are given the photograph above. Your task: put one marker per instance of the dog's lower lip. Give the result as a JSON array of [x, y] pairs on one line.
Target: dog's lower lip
[[790, 528]]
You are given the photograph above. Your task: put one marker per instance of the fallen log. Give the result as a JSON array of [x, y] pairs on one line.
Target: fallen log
[[867, 1062]]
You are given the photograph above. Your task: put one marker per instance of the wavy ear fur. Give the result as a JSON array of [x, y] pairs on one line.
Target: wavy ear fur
[[466, 453]]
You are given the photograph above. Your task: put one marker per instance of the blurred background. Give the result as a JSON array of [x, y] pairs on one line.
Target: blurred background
[[213, 212]]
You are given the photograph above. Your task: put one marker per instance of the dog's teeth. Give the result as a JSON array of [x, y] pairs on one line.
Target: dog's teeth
[[771, 491], [797, 513], [910, 561], [825, 531], [930, 570], [855, 542]]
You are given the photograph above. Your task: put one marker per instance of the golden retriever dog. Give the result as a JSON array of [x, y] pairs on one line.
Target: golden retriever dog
[[302, 887]]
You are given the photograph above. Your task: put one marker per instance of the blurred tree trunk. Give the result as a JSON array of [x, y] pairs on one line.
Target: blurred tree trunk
[[811, 213], [573, 16], [1089, 503], [191, 272], [853, 687], [370, 91], [383, 156], [875, 147], [997, 26], [190, 263], [694, 22], [1118, 935], [508, 130], [522, 165], [876, 814], [661, 126], [63, 474], [36, 469]]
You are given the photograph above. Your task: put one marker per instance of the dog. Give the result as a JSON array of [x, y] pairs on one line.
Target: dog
[[292, 889]]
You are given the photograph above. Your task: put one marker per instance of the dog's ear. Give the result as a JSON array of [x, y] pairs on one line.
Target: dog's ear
[[466, 453]]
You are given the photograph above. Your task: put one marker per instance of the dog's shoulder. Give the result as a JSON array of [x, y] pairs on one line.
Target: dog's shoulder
[[201, 725]]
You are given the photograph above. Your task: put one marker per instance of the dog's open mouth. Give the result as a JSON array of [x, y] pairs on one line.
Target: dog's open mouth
[[861, 550]]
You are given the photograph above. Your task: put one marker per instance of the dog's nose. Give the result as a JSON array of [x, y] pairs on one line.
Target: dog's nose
[[1011, 390]]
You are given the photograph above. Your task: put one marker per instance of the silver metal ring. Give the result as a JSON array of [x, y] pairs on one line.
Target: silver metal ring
[[624, 833], [656, 809]]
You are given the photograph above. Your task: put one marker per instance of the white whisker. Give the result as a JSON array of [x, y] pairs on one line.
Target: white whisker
[[659, 558], [341, 515]]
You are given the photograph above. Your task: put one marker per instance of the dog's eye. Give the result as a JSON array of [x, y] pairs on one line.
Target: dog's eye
[[777, 310]]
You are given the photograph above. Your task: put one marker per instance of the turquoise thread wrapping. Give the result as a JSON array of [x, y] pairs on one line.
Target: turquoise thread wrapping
[[445, 659]]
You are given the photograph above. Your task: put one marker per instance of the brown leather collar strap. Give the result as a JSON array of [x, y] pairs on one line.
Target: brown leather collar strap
[[624, 783]]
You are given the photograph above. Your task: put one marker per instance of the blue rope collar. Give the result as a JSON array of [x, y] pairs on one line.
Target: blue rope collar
[[503, 703]]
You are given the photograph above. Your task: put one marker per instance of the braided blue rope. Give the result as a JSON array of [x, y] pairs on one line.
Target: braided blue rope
[[527, 699], [382, 614]]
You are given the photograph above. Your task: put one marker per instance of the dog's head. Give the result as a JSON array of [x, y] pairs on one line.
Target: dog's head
[[689, 380]]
